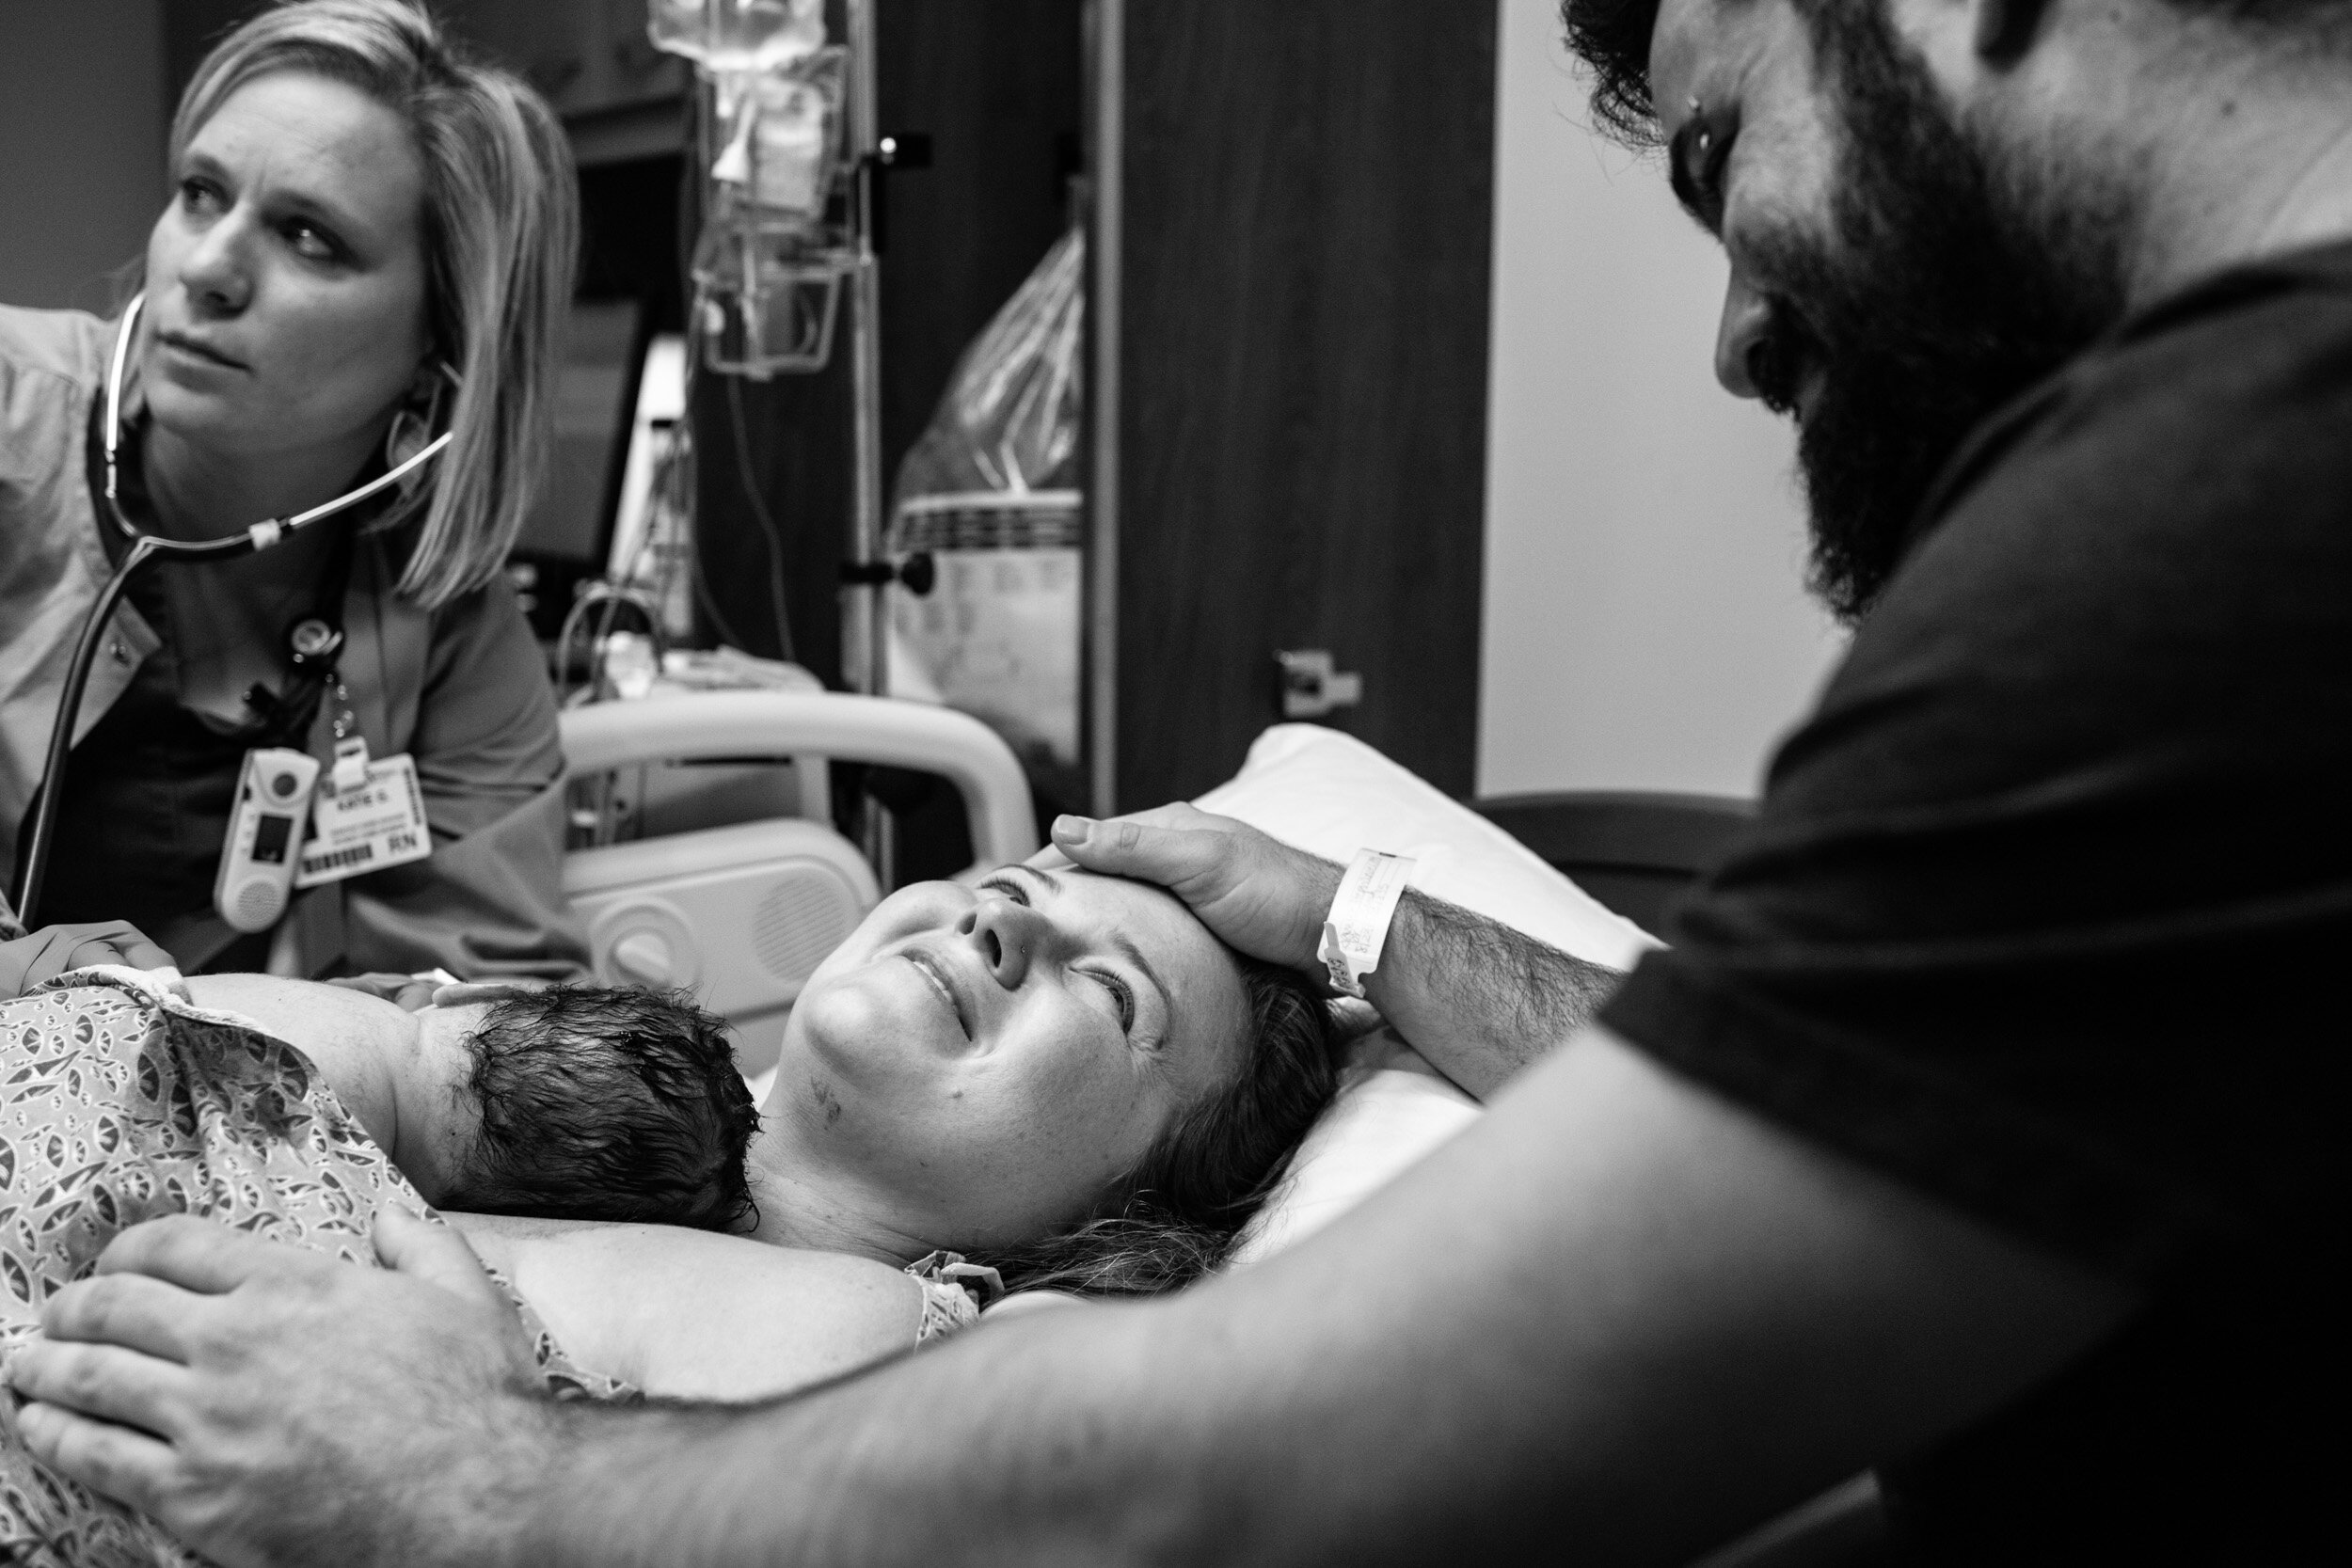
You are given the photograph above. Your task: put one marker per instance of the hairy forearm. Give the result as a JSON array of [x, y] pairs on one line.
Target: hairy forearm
[[1018, 1448], [1600, 1324], [1480, 1000]]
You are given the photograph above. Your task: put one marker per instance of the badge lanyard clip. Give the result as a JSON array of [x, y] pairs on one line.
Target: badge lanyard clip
[[369, 814]]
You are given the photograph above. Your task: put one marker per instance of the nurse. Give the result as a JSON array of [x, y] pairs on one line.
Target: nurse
[[368, 244]]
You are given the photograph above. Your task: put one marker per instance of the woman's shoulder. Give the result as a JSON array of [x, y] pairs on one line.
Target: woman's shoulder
[[51, 363], [68, 345]]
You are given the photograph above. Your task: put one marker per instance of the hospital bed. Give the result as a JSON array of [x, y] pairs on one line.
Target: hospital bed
[[742, 911]]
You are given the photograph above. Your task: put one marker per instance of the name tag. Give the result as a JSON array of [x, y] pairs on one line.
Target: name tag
[[377, 823]]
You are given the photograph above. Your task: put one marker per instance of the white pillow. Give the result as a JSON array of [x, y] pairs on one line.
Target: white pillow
[[1330, 794]]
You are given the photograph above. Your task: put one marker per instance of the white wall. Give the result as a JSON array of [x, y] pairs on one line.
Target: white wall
[[1645, 624], [81, 145]]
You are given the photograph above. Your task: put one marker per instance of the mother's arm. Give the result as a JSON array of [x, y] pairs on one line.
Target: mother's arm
[[688, 1314]]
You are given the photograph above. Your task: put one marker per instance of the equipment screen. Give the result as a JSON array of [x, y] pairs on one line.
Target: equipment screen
[[269, 839]]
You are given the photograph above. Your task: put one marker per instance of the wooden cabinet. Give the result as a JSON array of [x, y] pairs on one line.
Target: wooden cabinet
[[1291, 212], [1289, 377]]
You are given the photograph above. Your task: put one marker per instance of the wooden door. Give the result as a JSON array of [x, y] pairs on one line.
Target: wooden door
[[1302, 219]]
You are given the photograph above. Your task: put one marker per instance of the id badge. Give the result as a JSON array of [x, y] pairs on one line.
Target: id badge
[[367, 826]]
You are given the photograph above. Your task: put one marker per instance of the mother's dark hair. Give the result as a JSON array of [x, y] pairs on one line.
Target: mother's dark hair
[[1177, 1213]]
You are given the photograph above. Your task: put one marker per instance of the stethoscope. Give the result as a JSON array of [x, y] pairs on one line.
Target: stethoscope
[[145, 548]]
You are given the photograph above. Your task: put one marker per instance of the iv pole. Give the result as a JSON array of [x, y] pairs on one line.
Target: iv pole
[[865, 623]]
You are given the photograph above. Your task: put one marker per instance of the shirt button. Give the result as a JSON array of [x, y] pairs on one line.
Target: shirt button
[[122, 655]]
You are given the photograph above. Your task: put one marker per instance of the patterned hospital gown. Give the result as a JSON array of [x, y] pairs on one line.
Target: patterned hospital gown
[[118, 1103]]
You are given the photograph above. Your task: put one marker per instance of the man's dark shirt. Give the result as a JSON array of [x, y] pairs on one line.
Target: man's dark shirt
[[2047, 913]]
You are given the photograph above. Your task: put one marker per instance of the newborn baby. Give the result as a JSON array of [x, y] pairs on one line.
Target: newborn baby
[[124, 1101], [573, 1102]]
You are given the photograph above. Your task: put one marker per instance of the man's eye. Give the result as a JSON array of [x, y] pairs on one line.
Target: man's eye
[[1701, 151], [1714, 151], [198, 195], [1009, 888]]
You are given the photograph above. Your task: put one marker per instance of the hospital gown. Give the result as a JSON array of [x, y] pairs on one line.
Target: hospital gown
[[118, 1103]]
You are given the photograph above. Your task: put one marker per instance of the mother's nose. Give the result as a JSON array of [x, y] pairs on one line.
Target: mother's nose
[[1007, 934]]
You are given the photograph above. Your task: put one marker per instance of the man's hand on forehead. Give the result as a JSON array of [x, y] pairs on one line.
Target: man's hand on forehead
[[1255, 892]]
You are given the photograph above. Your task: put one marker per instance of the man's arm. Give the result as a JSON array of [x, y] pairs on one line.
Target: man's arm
[[1480, 1000], [1621, 1319]]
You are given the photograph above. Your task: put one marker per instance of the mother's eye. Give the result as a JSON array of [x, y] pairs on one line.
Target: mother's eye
[[1122, 994]]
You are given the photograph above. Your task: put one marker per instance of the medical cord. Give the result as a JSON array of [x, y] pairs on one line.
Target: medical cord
[[767, 522]]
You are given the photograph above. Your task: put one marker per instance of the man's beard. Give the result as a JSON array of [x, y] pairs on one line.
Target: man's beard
[[1946, 291]]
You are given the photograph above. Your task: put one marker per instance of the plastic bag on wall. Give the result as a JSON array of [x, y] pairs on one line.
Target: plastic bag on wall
[[991, 492]]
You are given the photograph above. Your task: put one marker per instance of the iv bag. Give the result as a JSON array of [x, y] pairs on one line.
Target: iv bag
[[1010, 417], [990, 491], [781, 139], [732, 38]]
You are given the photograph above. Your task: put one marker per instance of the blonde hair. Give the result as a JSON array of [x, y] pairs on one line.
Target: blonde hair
[[502, 231]]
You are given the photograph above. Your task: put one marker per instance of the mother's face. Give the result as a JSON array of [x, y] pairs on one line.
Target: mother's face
[[999, 1056], [286, 282]]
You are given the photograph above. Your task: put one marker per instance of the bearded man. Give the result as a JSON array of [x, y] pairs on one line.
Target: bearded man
[[1976, 1127]]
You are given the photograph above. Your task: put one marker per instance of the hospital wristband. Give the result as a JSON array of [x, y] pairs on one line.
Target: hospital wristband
[[1357, 927]]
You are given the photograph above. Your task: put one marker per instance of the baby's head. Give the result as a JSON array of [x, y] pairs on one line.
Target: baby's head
[[607, 1103]]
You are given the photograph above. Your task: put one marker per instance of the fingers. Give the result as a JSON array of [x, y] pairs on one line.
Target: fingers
[[128, 1309], [375, 983], [467, 991], [199, 1254], [104, 1382], [436, 1253], [123, 1463], [141, 952], [1167, 850]]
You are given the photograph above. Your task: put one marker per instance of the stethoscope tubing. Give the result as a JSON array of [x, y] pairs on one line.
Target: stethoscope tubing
[[32, 867]]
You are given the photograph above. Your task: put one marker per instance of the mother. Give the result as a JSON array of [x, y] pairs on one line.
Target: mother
[[1062, 1075], [368, 243]]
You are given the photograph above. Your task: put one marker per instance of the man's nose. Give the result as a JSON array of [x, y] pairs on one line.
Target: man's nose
[[1746, 324], [1007, 935]]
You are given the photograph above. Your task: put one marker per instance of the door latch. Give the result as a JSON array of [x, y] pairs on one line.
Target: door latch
[[1311, 686]]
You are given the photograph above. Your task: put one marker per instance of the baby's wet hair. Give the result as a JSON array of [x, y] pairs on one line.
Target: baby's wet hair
[[607, 1103]]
